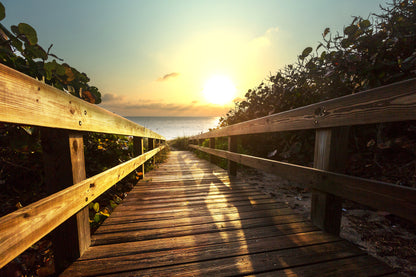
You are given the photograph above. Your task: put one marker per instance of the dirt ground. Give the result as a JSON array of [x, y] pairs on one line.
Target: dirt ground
[[381, 234]]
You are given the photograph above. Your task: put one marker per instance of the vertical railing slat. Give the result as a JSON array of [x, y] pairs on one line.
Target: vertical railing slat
[[232, 147], [64, 165], [330, 154]]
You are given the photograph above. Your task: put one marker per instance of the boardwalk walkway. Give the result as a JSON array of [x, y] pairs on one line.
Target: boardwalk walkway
[[189, 219]]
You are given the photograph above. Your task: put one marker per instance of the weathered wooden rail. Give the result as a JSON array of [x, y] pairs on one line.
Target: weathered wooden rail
[[63, 118], [331, 120]]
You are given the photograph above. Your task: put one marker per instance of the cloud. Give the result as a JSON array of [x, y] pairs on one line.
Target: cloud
[[129, 106], [266, 39], [168, 76]]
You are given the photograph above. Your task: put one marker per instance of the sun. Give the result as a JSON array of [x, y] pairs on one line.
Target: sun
[[219, 90]]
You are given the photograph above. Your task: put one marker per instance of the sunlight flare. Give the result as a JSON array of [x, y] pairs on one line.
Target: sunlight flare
[[219, 90]]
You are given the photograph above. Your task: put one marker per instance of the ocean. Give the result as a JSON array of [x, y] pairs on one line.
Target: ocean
[[173, 127]]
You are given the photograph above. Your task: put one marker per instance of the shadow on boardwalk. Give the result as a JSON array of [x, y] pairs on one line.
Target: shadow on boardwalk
[[190, 219]]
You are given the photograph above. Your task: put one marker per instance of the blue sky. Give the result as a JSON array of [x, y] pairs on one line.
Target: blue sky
[[126, 47]]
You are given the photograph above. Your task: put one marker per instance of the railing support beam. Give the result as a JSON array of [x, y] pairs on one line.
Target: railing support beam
[[64, 164], [330, 154], [138, 150], [232, 147], [212, 158]]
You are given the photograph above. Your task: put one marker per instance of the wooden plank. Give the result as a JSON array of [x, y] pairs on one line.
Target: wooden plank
[[181, 212], [233, 259], [249, 264], [355, 266], [24, 100], [395, 102], [127, 224], [206, 228], [285, 238], [20, 229], [398, 200], [330, 155]]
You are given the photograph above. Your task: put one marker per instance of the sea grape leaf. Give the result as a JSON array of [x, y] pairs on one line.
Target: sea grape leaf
[[29, 32], [97, 217], [96, 207], [2, 11], [306, 52], [326, 31]]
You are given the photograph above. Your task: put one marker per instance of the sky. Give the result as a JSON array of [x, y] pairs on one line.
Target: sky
[[159, 57]]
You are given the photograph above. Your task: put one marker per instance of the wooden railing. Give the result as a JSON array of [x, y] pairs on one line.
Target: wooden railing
[[63, 118], [330, 119]]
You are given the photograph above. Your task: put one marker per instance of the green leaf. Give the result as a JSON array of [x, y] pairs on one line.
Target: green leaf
[[29, 32], [15, 30], [2, 11], [326, 31], [97, 217], [17, 44], [60, 70], [350, 30], [113, 204], [365, 24], [96, 207], [306, 52], [36, 52]]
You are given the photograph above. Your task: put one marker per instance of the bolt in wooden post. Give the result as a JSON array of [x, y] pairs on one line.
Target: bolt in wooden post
[[138, 150], [232, 147], [212, 158], [330, 154], [64, 164]]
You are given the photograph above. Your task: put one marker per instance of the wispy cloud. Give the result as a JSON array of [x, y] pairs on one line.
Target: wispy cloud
[[168, 76], [128, 106], [266, 39]]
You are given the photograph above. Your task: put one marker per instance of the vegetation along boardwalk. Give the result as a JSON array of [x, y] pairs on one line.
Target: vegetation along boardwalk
[[189, 218]]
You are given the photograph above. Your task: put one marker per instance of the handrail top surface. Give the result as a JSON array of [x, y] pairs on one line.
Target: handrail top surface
[[393, 102], [27, 101]]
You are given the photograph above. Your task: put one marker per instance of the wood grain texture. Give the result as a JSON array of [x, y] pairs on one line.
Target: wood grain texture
[[20, 229], [398, 200], [395, 102], [330, 155], [76, 148], [202, 240], [24, 100]]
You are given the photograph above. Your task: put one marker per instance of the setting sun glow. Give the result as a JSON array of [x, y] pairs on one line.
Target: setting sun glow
[[219, 90]]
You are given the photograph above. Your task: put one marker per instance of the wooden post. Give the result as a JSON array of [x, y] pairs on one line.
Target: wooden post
[[212, 158], [232, 147], [200, 141], [64, 164], [138, 150], [151, 146], [330, 154]]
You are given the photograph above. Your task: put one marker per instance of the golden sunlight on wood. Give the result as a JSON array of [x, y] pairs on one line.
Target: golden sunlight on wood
[[219, 90]]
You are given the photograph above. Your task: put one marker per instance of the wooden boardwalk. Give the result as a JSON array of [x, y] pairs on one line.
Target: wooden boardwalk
[[189, 219]]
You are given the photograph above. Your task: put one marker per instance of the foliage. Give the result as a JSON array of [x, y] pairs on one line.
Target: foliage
[[19, 49], [370, 52], [180, 143]]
